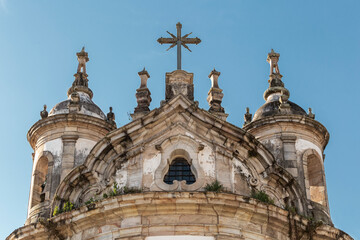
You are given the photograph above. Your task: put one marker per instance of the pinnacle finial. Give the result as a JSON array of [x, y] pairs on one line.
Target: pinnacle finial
[[83, 58], [275, 83], [111, 116], [215, 95], [44, 113], [273, 59], [311, 114], [143, 97], [80, 83], [247, 116], [144, 76], [214, 76]]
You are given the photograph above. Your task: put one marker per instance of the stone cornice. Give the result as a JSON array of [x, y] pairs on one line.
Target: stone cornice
[[62, 120], [312, 124]]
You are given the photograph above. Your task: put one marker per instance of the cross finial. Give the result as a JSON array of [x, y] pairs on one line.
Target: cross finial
[[179, 41]]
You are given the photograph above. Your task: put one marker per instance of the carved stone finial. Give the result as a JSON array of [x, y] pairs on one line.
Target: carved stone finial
[[143, 97], [273, 59], [215, 96], [275, 83], [111, 116], [311, 114], [44, 113], [80, 83], [144, 76], [83, 58], [214, 75], [247, 116]]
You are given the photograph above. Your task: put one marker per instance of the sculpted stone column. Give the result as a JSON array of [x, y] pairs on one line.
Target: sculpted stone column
[[68, 155]]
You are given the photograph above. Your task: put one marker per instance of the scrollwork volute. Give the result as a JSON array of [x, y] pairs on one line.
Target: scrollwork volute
[[250, 175], [172, 148]]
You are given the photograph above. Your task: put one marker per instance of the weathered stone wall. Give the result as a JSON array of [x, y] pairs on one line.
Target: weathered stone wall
[[142, 215]]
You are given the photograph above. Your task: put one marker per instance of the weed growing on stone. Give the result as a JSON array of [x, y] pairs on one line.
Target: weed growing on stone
[[262, 197], [215, 186]]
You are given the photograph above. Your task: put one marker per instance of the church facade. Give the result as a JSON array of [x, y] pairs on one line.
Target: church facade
[[178, 172]]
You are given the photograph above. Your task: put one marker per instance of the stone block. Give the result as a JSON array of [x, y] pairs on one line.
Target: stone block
[[131, 222]]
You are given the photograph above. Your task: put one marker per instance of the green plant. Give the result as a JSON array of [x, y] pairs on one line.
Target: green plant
[[262, 197], [127, 190], [68, 206], [105, 195], [215, 186], [56, 211], [115, 190], [90, 201]]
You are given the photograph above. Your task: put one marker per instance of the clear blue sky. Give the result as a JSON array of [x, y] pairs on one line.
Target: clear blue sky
[[319, 43]]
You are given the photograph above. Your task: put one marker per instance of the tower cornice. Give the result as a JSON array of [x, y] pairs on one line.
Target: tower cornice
[[313, 125], [61, 121]]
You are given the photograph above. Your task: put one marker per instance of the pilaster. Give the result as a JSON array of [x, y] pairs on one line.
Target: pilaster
[[68, 155], [289, 150]]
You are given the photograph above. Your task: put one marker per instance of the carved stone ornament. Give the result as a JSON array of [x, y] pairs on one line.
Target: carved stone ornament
[[110, 117], [179, 82], [311, 114], [247, 117], [44, 113], [172, 148], [244, 170]]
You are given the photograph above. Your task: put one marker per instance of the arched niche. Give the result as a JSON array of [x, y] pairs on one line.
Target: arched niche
[[314, 177], [41, 179]]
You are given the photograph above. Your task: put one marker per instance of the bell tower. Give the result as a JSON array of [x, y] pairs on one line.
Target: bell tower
[[62, 140], [295, 138]]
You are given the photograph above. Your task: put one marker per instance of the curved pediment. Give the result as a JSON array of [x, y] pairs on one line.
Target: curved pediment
[[140, 154]]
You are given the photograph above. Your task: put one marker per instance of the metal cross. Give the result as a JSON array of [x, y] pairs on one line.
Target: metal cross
[[179, 41]]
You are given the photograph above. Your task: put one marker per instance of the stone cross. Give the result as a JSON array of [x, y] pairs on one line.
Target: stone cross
[[179, 41]]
